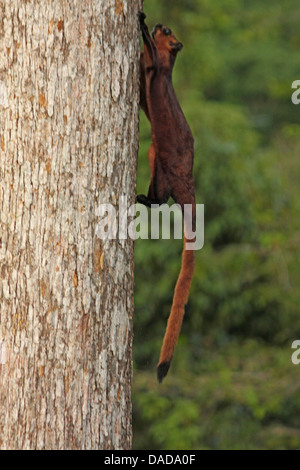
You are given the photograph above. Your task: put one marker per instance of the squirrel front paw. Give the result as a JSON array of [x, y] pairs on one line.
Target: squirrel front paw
[[142, 17]]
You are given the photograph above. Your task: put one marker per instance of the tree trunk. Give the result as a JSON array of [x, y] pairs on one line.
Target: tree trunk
[[69, 76]]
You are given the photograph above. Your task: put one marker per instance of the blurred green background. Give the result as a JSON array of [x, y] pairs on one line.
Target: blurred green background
[[232, 384]]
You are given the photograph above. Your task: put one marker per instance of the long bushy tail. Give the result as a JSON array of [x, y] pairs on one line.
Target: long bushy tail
[[180, 299]]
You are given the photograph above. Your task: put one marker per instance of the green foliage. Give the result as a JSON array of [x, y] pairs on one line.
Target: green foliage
[[243, 397], [232, 384]]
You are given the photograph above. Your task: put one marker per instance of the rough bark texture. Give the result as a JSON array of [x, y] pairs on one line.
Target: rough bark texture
[[69, 73]]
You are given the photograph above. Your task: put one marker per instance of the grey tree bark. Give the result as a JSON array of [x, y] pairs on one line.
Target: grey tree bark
[[69, 73]]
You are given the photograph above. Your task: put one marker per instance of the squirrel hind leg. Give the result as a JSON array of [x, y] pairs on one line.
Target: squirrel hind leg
[[159, 189]]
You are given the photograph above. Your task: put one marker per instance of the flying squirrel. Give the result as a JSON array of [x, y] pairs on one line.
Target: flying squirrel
[[170, 158]]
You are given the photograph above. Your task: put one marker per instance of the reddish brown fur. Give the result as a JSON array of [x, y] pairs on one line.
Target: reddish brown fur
[[170, 160]]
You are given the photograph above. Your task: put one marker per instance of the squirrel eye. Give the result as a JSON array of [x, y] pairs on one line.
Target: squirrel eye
[[167, 31]]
